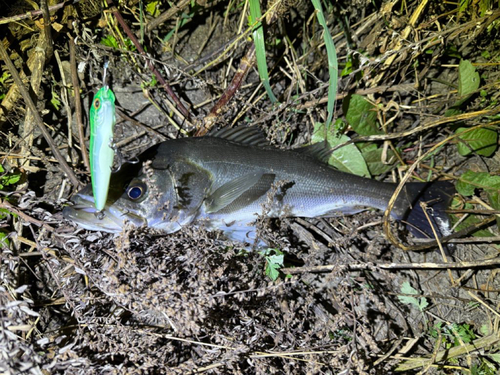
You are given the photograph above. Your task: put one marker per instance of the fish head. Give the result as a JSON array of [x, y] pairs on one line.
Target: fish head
[[140, 196]]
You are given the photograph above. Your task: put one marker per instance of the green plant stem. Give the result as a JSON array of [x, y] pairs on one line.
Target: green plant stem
[[333, 67], [260, 48]]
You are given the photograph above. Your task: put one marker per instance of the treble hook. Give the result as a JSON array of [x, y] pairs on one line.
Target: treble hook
[[120, 159]]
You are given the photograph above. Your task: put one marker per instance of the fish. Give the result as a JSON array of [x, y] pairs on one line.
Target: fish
[[101, 152], [225, 180]]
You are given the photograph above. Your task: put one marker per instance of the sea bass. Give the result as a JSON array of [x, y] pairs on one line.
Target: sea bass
[[226, 180]]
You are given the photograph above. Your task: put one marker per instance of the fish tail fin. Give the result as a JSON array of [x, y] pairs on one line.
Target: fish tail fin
[[436, 197]]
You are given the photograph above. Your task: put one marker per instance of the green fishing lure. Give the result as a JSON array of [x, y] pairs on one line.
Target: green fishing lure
[[102, 123]]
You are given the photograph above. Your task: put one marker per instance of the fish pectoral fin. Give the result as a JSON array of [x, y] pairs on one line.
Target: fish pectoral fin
[[232, 190]]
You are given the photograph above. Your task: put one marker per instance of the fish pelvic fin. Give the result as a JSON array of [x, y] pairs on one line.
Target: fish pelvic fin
[[435, 197]]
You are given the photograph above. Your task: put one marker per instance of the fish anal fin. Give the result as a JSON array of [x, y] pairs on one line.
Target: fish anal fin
[[236, 188]]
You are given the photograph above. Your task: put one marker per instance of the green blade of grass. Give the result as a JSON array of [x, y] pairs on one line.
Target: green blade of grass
[[333, 68], [260, 48]]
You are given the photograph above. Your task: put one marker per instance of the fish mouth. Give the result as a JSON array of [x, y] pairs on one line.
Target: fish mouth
[[110, 219]]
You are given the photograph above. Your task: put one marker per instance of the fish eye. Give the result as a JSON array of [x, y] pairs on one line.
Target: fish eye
[[97, 104], [135, 192]]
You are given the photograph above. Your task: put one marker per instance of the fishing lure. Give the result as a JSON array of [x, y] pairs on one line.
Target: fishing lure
[[102, 123]]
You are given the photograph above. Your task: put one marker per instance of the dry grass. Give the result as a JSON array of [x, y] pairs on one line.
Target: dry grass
[[142, 302]]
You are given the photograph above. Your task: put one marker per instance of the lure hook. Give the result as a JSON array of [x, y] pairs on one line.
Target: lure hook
[[120, 159], [105, 71]]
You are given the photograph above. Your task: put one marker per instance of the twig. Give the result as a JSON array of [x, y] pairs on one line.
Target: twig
[[22, 215], [149, 63], [463, 240], [38, 58], [36, 115], [133, 137], [479, 344], [139, 125], [246, 64], [485, 263], [476, 212], [219, 51], [167, 15], [427, 126], [78, 102], [35, 13], [404, 36], [483, 303], [46, 27]]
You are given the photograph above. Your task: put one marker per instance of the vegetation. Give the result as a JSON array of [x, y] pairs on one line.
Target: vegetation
[[401, 91]]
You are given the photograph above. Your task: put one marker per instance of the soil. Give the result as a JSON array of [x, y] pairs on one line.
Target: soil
[[82, 302]]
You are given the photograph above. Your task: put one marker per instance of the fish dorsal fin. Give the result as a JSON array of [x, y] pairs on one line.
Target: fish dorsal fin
[[320, 151], [232, 190], [250, 136]]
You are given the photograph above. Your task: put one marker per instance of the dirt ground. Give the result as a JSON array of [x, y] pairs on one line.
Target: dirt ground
[[347, 299]]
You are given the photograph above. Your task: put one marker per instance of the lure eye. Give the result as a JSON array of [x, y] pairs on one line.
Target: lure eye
[[135, 192], [97, 104]]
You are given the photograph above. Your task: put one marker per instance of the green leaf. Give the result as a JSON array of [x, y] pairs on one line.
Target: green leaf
[[486, 55], [320, 133], [185, 18], [272, 271], [4, 241], [494, 200], [348, 68], [110, 41], [274, 261], [4, 213], [469, 220], [3, 84], [468, 78], [434, 331], [465, 332], [362, 116], [152, 8], [4, 78], [452, 111], [463, 5], [485, 330], [469, 181], [482, 141], [348, 158], [373, 158], [8, 179], [55, 100], [419, 303]]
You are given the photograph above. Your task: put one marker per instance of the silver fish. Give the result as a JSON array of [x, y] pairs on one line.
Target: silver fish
[[225, 181]]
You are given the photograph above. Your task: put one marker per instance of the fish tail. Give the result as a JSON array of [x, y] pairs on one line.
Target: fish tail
[[436, 197]]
